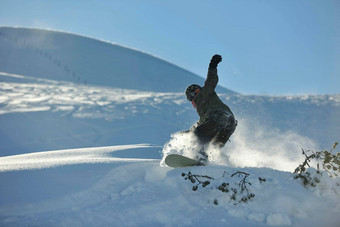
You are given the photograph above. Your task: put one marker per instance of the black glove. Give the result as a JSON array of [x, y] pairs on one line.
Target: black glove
[[215, 60]]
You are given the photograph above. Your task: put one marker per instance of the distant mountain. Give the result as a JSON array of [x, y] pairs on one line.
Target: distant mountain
[[69, 57]]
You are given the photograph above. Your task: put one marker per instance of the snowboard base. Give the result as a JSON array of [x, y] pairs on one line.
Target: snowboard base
[[176, 160]]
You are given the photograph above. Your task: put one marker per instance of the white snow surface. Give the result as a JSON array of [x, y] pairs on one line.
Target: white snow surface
[[92, 187], [92, 154]]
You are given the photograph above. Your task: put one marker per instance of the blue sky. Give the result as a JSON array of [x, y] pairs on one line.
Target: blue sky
[[275, 47]]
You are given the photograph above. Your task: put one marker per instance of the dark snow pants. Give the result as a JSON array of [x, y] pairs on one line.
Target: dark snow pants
[[217, 128]]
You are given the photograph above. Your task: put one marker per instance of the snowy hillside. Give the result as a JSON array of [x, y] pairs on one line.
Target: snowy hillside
[[83, 115], [68, 57], [66, 115], [82, 139]]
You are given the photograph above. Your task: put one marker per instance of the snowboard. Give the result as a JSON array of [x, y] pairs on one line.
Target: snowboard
[[176, 160]]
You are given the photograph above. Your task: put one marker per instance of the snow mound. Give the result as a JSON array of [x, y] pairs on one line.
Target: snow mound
[[48, 159], [144, 193], [50, 54]]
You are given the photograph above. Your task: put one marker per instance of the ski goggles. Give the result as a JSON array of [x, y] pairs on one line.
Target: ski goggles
[[191, 95]]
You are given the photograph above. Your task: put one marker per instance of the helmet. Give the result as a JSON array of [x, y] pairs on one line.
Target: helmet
[[191, 91]]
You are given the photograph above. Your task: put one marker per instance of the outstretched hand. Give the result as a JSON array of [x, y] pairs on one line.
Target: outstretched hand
[[215, 60]]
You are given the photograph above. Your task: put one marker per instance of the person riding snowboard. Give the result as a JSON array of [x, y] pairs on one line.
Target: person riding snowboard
[[217, 123]]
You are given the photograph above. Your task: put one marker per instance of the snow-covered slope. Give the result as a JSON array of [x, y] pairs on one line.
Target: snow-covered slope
[[64, 115], [83, 115], [100, 187], [81, 149], [64, 56]]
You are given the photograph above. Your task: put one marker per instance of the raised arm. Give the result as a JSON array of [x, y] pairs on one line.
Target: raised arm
[[212, 78]]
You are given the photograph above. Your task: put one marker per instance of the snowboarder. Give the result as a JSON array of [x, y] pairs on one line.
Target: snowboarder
[[217, 123]]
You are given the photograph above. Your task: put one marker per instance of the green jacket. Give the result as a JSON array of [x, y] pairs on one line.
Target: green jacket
[[207, 101]]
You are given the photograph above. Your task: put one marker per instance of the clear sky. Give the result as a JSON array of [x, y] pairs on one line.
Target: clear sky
[[274, 47]]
